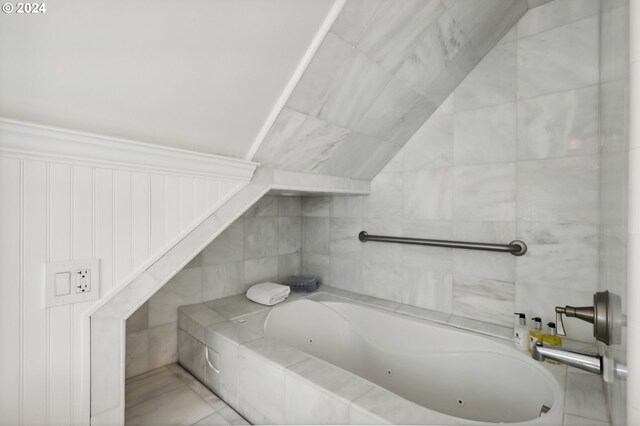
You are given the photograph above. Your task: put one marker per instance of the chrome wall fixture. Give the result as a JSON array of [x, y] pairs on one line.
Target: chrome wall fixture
[[516, 247]]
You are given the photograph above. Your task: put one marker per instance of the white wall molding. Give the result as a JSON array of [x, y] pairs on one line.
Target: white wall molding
[[36, 142]]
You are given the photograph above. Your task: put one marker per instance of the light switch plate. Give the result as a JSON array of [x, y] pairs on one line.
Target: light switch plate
[[83, 279]]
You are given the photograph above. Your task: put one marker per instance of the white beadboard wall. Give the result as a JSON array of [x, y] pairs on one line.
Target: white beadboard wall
[[52, 211]]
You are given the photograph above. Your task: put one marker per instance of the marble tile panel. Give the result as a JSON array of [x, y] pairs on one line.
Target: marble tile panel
[[439, 44], [235, 306], [371, 164], [413, 119], [162, 380], [386, 113], [260, 388], [316, 206], [273, 352], [495, 330], [300, 142], [485, 300], [395, 409], [491, 82], [260, 270], [139, 320], [378, 303], [344, 240], [427, 194], [289, 206], [180, 406], [614, 44], [137, 353], [305, 403], [227, 247], [614, 115], [572, 420], [232, 417], [346, 206], [585, 397], [536, 3], [563, 58], [431, 146], [289, 264], [183, 289], [559, 190], [354, 87], [289, 235], [423, 257], [354, 18], [317, 265], [194, 318], [341, 383], [395, 164], [538, 300], [481, 264], [382, 281], [414, 311], [396, 29], [385, 199], [315, 235], [260, 238], [427, 289], [485, 135], [555, 14], [105, 362], [346, 273], [317, 78], [222, 280], [569, 253], [338, 292], [445, 107], [163, 345], [485, 193], [559, 125], [191, 354], [266, 206]]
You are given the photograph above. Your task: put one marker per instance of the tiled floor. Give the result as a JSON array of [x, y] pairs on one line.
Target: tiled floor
[[171, 396]]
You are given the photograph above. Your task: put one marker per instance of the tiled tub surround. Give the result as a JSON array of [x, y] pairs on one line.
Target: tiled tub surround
[[263, 245], [512, 154], [270, 382], [380, 72]]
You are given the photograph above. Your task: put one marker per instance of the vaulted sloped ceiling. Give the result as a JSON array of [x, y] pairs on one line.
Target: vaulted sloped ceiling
[[380, 72], [201, 75]]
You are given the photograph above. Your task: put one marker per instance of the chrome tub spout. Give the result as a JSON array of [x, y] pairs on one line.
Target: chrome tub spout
[[588, 361]]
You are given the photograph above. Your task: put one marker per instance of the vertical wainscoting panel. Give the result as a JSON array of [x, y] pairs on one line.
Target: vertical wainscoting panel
[[123, 225], [60, 317], [34, 327], [104, 218], [83, 231], [54, 212], [10, 290]]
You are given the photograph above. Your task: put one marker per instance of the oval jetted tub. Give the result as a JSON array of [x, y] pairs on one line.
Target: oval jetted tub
[[454, 372], [328, 360]]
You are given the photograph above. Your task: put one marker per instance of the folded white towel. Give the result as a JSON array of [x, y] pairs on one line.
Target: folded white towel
[[268, 293]]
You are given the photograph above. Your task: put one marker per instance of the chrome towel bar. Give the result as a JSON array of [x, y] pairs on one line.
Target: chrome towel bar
[[515, 247]]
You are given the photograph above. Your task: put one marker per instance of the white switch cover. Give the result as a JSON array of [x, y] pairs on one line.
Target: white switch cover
[[72, 281]]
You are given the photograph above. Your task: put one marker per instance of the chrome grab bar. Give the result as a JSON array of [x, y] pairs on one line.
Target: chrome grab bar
[[515, 247]]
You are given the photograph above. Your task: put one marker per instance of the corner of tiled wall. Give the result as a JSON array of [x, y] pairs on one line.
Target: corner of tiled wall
[[264, 244]]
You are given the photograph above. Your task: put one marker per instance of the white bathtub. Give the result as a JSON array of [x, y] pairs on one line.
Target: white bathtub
[[459, 374]]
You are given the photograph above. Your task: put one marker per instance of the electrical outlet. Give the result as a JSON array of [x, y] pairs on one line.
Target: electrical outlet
[[83, 280], [71, 281]]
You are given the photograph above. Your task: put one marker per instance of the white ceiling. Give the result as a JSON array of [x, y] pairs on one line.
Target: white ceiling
[[199, 75]]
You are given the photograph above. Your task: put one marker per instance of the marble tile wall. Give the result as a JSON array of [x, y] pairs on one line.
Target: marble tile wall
[[265, 244], [614, 177], [379, 73], [511, 153]]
